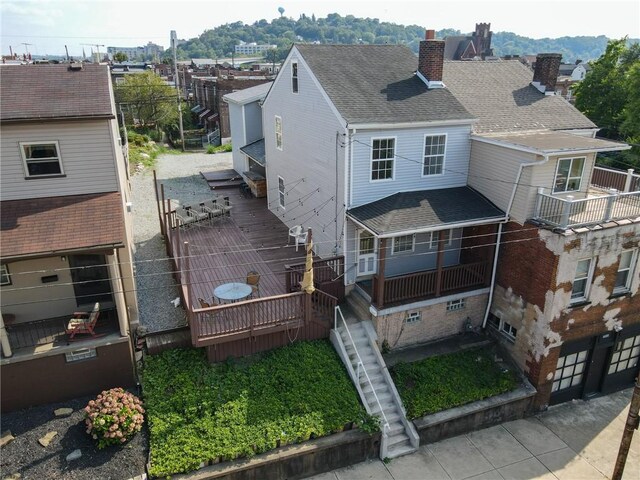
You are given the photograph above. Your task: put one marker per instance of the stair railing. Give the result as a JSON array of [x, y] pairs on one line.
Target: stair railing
[[360, 367]]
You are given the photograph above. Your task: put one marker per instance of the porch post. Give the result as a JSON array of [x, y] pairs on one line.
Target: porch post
[[627, 181], [382, 249], [118, 292], [439, 259], [4, 339]]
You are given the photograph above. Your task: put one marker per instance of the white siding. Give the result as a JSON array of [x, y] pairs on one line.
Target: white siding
[[312, 140], [86, 150], [253, 122], [409, 150], [238, 136]]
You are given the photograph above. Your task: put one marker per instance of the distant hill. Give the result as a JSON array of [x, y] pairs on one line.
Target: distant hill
[[283, 31]]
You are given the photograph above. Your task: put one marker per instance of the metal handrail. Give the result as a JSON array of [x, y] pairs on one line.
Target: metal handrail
[[385, 425]]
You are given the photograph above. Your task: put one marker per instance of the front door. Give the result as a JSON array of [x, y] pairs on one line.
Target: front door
[[90, 279], [366, 253]]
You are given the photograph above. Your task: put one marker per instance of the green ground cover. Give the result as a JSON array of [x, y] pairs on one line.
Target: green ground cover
[[198, 412], [447, 381]]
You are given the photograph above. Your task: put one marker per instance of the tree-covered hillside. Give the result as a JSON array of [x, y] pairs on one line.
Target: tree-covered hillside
[[283, 31]]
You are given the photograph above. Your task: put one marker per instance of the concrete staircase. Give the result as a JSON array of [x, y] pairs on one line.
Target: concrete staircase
[[355, 342]]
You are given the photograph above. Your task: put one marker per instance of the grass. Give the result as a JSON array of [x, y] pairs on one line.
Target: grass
[[143, 150], [198, 412], [447, 381], [220, 148]]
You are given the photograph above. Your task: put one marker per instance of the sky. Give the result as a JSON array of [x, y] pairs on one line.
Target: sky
[[48, 25]]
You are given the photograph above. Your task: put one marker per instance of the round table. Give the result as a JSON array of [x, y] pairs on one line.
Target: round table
[[232, 292]]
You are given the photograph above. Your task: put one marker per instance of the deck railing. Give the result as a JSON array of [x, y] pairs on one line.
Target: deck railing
[[621, 180], [328, 276]]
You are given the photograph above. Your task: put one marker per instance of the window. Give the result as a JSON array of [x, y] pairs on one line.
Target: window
[[447, 238], [569, 175], [404, 243], [5, 277], [508, 329], [294, 77], [494, 319], [281, 191], [382, 158], [413, 317], [41, 159], [625, 271], [82, 354], [625, 355], [433, 154], [581, 280], [455, 305], [278, 133], [569, 370]]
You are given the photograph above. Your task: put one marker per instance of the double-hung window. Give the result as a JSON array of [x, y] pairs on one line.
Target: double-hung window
[[281, 191], [403, 243], [383, 153], [434, 154], [628, 259], [294, 77], [569, 175], [582, 280], [278, 132], [446, 235], [41, 159]]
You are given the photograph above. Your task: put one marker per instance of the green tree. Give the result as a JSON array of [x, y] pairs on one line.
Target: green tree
[[147, 100], [120, 57]]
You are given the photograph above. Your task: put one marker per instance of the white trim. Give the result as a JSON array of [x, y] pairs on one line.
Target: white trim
[[297, 77], [35, 143], [393, 244], [4, 272], [371, 160], [281, 200], [444, 154], [555, 178], [522, 148], [419, 124], [426, 303], [450, 226], [630, 271], [275, 131], [588, 280], [448, 243], [431, 84], [455, 305]]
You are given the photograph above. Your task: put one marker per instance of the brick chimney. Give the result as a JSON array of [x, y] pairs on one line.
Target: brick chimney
[[545, 75], [431, 60]]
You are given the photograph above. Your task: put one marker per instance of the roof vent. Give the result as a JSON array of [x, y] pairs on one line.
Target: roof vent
[[75, 66]]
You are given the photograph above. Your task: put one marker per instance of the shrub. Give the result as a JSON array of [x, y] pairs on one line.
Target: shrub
[[221, 148], [114, 417]]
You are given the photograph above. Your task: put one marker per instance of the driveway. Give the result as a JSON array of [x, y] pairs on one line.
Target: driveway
[[573, 441]]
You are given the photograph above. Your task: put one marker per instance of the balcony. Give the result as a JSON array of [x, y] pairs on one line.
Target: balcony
[[613, 195]]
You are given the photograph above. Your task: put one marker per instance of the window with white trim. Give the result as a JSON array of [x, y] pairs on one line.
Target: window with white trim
[[413, 317], [494, 319], [582, 280], [403, 243], [455, 305], [433, 163], [41, 159], [448, 234], [278, 133], [383, 153], [281, 191], [294, 77], [5, 277], [569, 175], [625, 355], [569, 370], [628, 259], [509, 330], [82, 354]]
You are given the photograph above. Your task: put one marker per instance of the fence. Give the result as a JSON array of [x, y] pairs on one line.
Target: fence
[[608, 178]]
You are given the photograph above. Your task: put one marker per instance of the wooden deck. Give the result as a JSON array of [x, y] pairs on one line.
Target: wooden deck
[[222, 179]]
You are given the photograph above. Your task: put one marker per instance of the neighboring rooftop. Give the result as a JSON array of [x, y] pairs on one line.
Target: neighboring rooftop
[[41, 92], [425, 210], [548, 142], [256, 151], [500, 95], [377, 84], [248, 95]]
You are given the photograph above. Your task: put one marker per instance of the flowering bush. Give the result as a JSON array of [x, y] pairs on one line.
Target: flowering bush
[[114, 417]]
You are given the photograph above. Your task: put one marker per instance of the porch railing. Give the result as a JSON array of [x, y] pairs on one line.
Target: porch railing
[[421, 285], [621, 180], [569, 212], [328, 276]]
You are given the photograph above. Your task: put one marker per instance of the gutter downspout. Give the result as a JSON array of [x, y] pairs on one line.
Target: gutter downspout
[[499, 237]]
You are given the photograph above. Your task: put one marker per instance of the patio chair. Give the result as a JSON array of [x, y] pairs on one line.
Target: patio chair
[[225, 205], [212, 209], [298, 234], [253, 279], [197, 214], [83, 322], [185, 220]]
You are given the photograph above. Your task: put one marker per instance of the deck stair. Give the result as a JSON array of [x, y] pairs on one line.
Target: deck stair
[[355, 342]]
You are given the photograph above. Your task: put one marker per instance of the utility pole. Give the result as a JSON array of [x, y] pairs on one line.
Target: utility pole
[[97, 48], [627, 434], [174, 40]]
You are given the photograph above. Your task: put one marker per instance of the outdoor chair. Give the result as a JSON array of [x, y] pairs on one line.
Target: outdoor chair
[[225, 205], [197, 214], [212, 209], [83, 322], [185, 220], [253, 279], [298, 234]]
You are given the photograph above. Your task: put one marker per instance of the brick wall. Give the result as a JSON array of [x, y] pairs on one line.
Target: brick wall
[[546, 71], [431, 59]]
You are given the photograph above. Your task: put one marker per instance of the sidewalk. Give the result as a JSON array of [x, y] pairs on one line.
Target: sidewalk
[[573, 441]]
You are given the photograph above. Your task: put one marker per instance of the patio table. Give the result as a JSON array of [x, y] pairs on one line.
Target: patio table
[[232, 292]]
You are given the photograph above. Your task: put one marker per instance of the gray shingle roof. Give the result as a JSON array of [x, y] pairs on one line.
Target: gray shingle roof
[[32, 92], [500, 95], [407, 211], [255, 150], [377, 84], [249, 94]]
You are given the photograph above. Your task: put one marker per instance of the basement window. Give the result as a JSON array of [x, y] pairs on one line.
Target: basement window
[[79, 355], [509, 330], [455, 305], [5, 277], [413, 317]]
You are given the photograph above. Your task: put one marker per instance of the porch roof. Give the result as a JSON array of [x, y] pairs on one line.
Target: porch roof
[[255, 150], [425, 210], [52, 225]]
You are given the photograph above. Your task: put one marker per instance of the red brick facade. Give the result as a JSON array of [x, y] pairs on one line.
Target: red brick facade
[[547, 68], [431, 59]]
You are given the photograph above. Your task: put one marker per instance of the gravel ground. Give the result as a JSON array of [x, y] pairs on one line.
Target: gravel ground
[[26, 457], [156, 286]]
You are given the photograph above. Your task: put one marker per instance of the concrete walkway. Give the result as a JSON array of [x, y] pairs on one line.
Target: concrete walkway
[[574, 441]]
